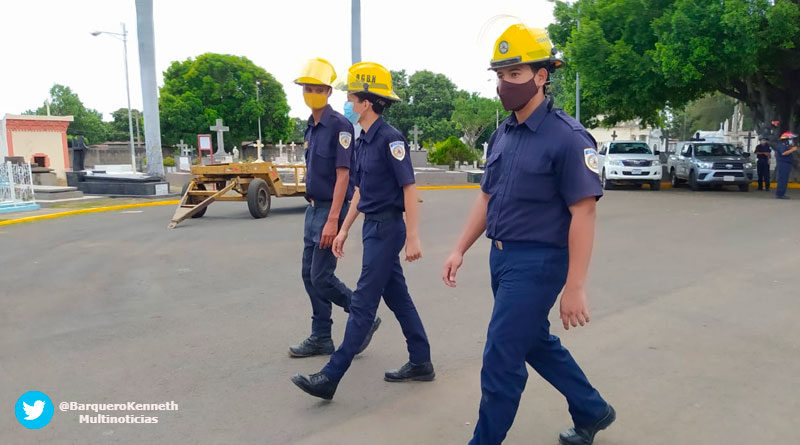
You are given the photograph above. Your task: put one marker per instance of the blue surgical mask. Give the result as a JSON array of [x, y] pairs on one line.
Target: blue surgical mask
[[349, 114]]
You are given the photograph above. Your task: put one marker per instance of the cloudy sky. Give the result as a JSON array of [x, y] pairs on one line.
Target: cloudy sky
[[46, 42]]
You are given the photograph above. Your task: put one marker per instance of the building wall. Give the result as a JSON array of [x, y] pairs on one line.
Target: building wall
[[3, 141], [50, 143]]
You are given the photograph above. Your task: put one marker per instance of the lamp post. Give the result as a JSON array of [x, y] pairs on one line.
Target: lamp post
[[124, 38], [258, 85]]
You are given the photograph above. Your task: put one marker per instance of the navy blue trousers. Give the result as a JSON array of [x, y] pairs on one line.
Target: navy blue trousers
[[526, 280], [763, 174], [783, 171], [318, 267], [381, 275]]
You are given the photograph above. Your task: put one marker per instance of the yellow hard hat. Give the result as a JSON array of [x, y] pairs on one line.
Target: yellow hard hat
[[368, 77], [522, 45], [317, 72]]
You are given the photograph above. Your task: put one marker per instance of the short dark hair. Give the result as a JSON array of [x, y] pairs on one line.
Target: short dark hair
[[379, 104]]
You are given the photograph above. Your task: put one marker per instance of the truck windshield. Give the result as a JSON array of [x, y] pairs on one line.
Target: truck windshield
[[639, 148], [716, 150]]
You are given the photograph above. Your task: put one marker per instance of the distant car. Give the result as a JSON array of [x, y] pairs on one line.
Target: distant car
[[629, 162], [701, 163]]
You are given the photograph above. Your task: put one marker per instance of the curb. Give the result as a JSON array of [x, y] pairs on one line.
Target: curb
[[81, 211]]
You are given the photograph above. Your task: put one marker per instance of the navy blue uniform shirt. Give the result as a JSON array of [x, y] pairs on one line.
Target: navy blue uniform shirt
[[780, 149], [383, 168], [762, 152], [535, 170], [328, 147]]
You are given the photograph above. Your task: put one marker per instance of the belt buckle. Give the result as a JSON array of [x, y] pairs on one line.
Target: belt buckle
[[498, 244], [312, 203]]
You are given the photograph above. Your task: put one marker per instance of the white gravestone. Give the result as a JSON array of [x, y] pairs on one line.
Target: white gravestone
[[220, 129]]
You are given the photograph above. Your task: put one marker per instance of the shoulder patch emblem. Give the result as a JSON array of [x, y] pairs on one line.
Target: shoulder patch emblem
[[344, 139], [590, 159], [398, 149], [305, 144]]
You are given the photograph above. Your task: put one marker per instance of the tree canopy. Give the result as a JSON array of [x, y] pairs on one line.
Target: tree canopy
[[637, 58], [118, 127], [198, 91], [87, 122], [433, 103]]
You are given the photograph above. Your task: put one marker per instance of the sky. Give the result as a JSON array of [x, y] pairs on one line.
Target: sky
[[47, 42]]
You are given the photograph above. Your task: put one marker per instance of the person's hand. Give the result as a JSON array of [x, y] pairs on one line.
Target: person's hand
[[451, 266], [573, 308], [338, 244], [413, 248], [328, 233]]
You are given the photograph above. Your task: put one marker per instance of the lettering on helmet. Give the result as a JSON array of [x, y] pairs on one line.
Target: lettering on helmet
[[366, 78]]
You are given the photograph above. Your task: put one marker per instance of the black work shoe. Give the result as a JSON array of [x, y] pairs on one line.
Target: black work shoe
[[375, 325], [585, 435], [318, 385], [422, 373], [312, 346]]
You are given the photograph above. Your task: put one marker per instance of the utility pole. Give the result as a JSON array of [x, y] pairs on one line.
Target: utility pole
[[355, 31], [147, 69]]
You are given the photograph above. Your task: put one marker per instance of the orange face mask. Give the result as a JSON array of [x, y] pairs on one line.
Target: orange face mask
[[315, 101]]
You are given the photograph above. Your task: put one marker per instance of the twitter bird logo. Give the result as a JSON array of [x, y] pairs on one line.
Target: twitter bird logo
[[34, 410]]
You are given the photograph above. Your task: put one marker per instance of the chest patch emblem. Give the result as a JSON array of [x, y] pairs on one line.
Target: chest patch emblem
[[398, 150], [344, 139], [590, 159]]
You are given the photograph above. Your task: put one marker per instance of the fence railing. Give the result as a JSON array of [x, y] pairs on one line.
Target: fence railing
[[16, 185]]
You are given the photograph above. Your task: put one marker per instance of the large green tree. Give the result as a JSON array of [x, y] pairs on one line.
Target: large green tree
[[637, 58], [428, 101], [198, 91], [87, 122], [474, 115], [118, 127]]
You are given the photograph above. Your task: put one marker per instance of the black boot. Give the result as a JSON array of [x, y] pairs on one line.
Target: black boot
[[312, 346], [375, 325], [318, 385], [580, 435], [422, 373]]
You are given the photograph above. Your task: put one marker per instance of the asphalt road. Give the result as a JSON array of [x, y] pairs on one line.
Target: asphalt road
[[693, 338]]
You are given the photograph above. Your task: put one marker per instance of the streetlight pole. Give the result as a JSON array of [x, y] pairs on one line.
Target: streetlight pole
[[258, 85], [124, 38]]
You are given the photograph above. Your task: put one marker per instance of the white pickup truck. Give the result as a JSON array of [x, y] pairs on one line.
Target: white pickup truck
[[629, 162]]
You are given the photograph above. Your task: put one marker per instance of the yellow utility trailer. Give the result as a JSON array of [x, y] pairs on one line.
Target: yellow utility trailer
[[253, 182]]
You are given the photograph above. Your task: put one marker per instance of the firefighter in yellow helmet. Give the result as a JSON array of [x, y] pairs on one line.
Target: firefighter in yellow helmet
[[329, 159], [385, 190], [537, 205]]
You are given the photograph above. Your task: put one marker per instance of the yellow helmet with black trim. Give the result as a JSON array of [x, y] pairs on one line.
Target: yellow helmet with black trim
[[317, 72], [369, 77], [520, 45]]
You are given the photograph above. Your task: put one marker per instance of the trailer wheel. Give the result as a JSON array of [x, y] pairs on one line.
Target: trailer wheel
[[258, 198], [191, 200]]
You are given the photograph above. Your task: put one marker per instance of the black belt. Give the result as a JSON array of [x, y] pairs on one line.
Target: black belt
[[386, 215], [321, 204]]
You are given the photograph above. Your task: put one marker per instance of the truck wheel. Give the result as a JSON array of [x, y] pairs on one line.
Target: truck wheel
[[258, 199], [607, 185], [655, 185], [693, 181], [744, 187], [191, 201], [673, 179]]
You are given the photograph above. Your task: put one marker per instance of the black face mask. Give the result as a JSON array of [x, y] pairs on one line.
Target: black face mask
[[515, 96]]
